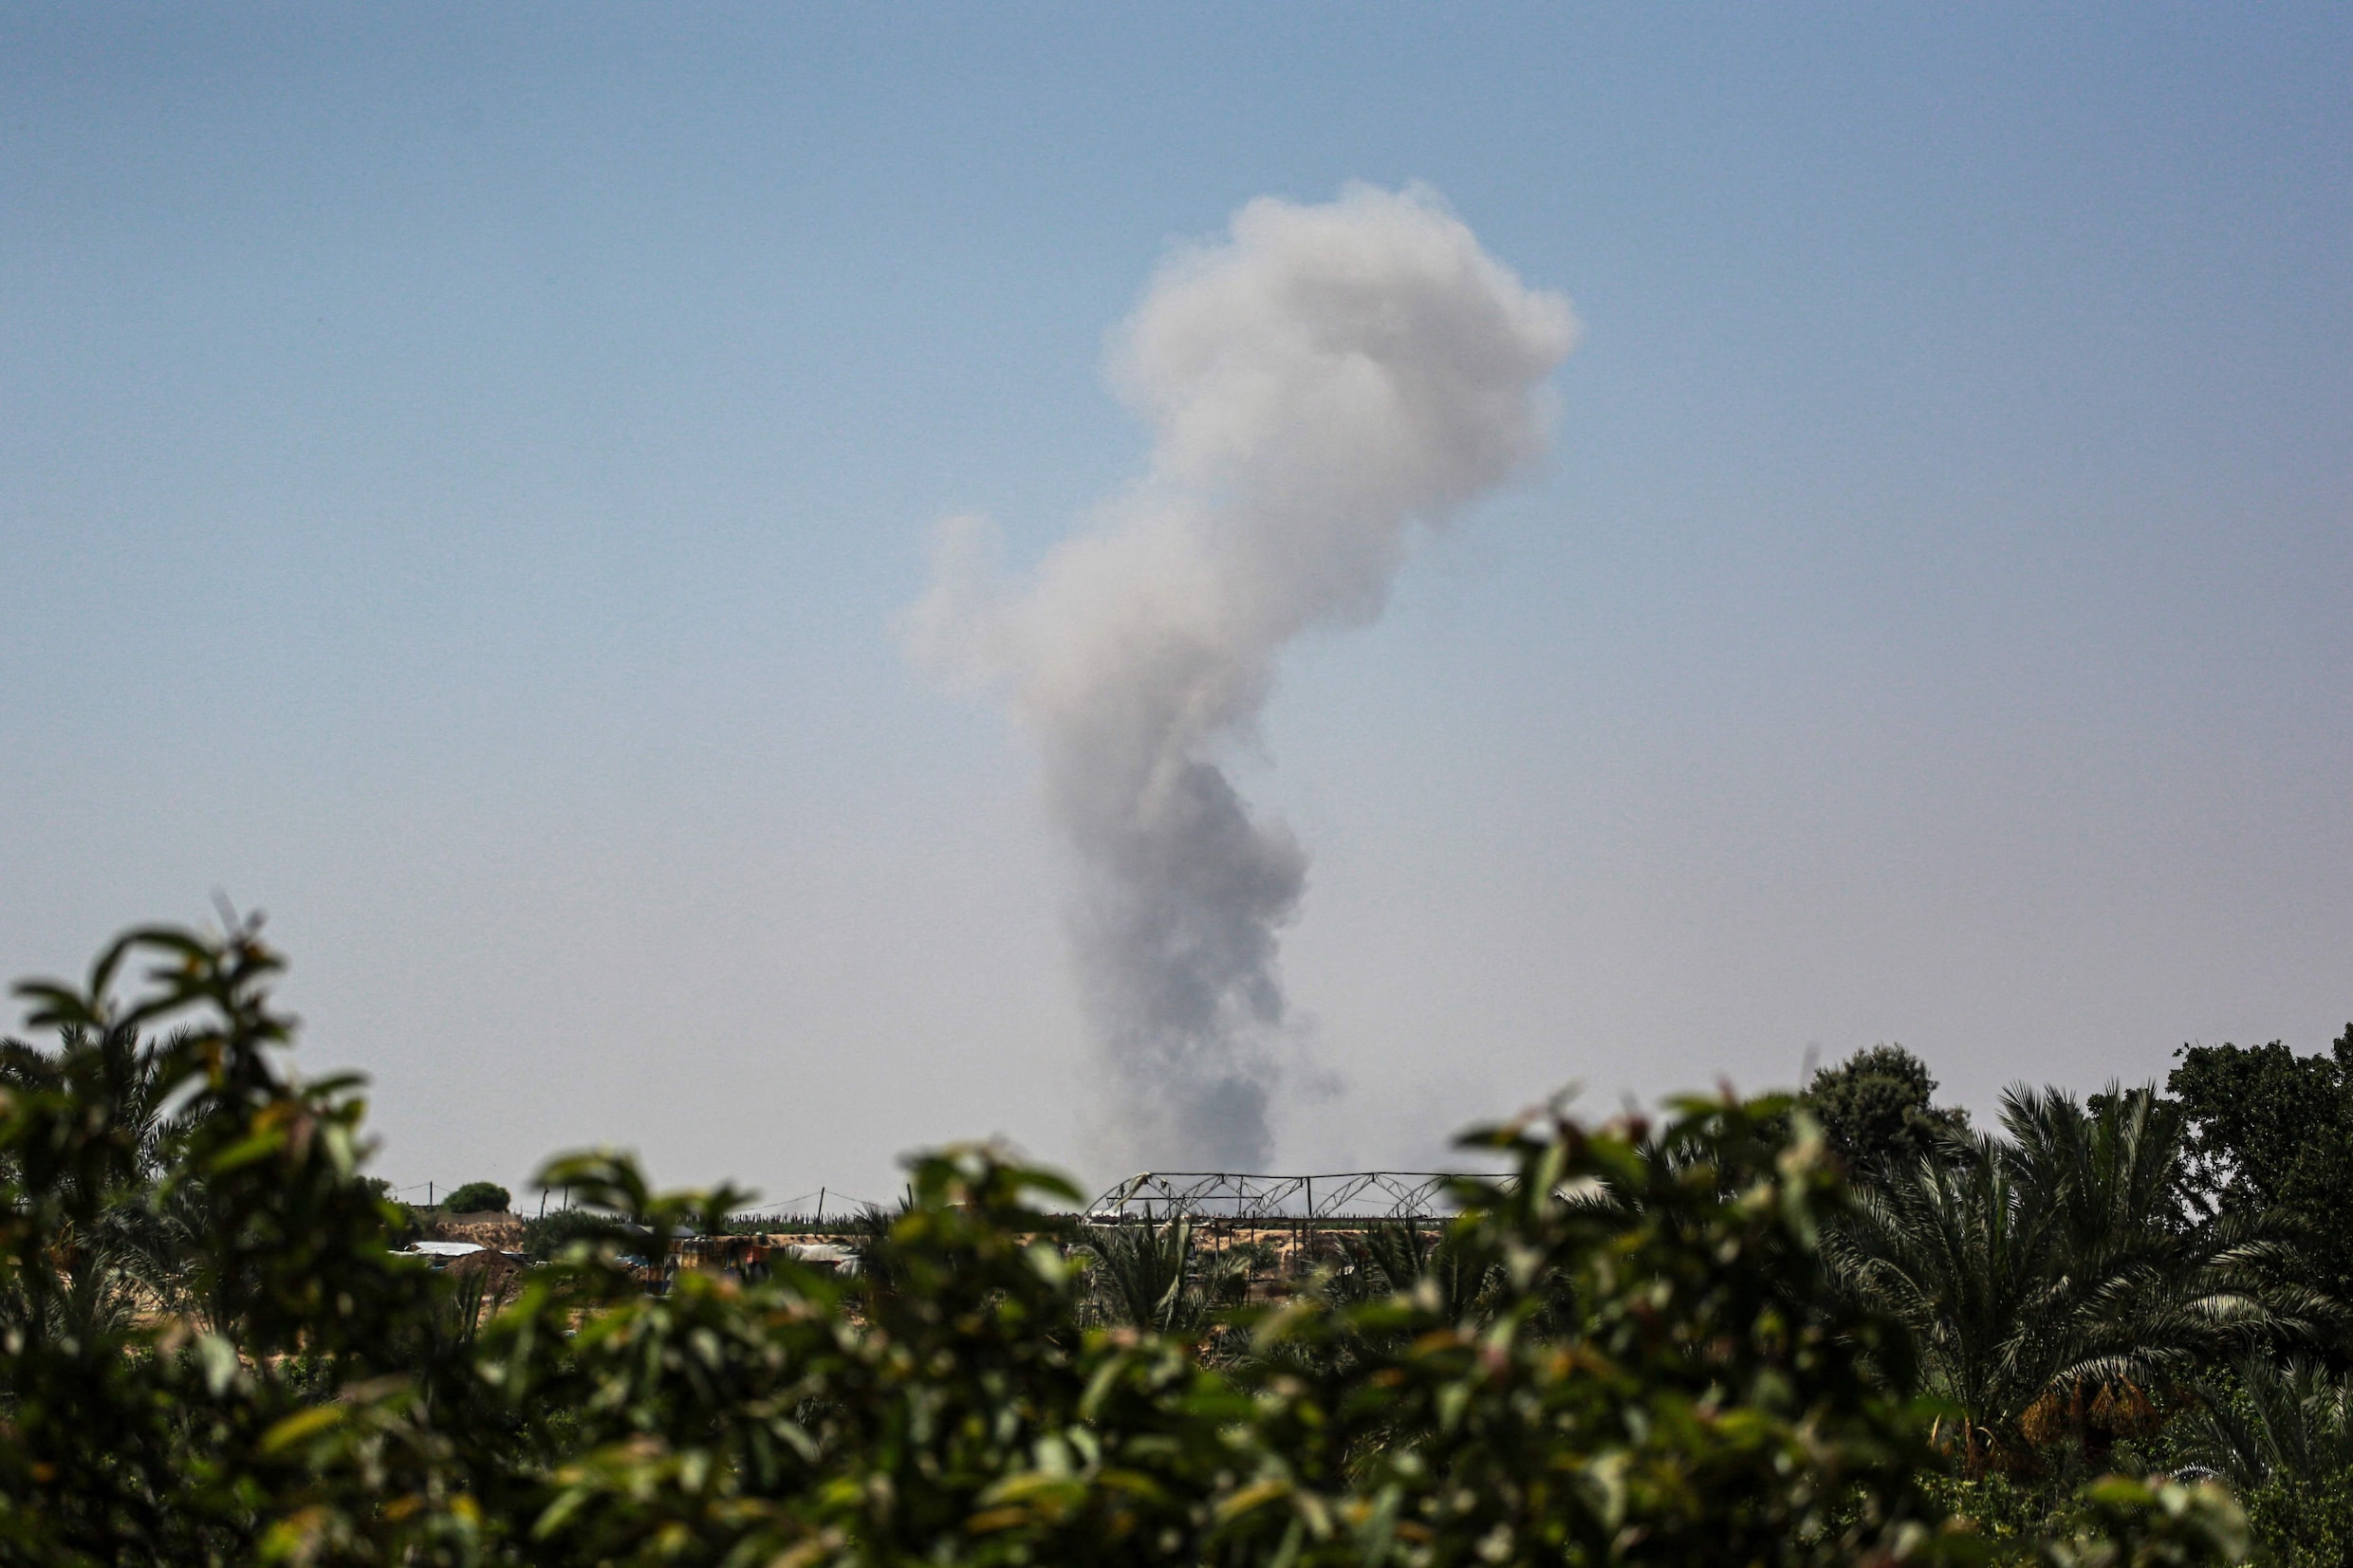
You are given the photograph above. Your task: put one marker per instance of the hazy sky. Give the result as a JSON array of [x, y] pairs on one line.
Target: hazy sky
[[460, 469]]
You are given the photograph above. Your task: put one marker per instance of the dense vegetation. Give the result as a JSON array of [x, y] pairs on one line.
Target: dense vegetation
[[478, 1197], [1685, 1342]]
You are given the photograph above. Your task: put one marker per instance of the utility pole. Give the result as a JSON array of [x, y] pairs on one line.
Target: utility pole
[[429, 1195], [821, 1207]]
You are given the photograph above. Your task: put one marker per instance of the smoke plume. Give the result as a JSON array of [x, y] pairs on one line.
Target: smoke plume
[[1316, 383]]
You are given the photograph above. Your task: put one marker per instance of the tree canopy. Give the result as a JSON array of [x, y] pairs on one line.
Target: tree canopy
[[477, 1198], [2270, 1131], [1877, 1110]]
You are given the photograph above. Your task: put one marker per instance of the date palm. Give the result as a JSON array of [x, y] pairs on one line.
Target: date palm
[[1154, 1277], [119, 1231], [2273, 1419], [2052, 1279], [1409, 1257]]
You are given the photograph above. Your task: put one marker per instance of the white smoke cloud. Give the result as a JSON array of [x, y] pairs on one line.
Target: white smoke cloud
[[1317, 383]]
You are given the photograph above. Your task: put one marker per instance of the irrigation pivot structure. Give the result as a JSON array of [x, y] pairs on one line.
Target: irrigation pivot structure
[[1157, 1195]]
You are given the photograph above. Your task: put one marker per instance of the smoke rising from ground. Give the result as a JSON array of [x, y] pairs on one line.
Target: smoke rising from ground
[[1316, 383]]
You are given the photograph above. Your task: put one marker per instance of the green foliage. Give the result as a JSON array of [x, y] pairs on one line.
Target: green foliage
[[139, 1436], [1876, 1109], [1630, 1352], [2112, 1522], [2306, 1523], [2051, 1285], [478, 1197], [552, 1235], [2270, 1133], [2151, 1523], [1153, 1276], [405, 1226], [2282, 1433], [2271, 1421]]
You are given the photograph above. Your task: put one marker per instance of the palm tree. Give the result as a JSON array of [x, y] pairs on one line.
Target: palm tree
[[879, 1270], [2273, 1419], [1407, 1257], [2054, 1282], [116, 1237], [1955, 1250], [1147, 1276]]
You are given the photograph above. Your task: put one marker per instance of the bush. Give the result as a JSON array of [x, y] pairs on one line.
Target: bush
[[548, 1238], [477, 1198], [1644, 1364]]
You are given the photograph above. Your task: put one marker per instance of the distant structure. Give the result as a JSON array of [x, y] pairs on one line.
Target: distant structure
[[1154, 1196]]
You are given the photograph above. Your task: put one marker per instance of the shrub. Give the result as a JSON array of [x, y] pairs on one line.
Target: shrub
[[548, 1238], [477, 1198], [1652, 1369]]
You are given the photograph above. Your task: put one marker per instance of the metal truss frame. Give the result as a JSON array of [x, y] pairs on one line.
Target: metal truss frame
[[1155, 1195]]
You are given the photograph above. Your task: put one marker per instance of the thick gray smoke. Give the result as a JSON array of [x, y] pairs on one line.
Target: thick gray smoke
[[1317, 383]]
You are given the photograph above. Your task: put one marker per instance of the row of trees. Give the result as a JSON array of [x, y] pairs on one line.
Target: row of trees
[[1685, 1342], [2162, 1274]]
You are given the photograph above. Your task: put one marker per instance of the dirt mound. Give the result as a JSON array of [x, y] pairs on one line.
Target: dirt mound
[[501, 1276], [497, 1231]]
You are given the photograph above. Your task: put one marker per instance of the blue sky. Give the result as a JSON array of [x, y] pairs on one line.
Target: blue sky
[[459, 470]]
